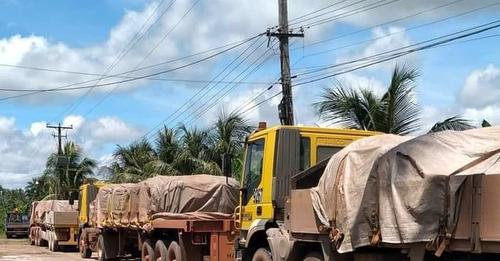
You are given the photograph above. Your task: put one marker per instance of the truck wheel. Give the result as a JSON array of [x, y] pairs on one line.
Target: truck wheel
[[313, 256], [100, 249], [85, 252], [161, 251], [55, 243], [50, 243], [37, 237], [31, 236], [8, 235], [147, 252], [262, 254], [174, 252]]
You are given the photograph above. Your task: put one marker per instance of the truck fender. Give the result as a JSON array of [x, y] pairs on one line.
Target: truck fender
[[280, 243], [256, 226]]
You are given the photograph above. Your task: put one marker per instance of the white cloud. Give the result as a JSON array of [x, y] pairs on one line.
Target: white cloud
[[111, 129], [24, 152], [481, 88], [37, 127]]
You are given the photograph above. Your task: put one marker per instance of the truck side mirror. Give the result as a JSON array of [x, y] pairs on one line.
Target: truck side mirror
[[71, 198], [226, 165]]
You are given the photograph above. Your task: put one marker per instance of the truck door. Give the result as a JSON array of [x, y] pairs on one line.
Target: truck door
[[254, 196]]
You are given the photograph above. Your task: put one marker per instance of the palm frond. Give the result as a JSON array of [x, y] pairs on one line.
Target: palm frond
[[453, 123]]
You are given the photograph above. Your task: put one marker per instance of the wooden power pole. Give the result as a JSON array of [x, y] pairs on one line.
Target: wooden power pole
[[59, 135], [283, 33]]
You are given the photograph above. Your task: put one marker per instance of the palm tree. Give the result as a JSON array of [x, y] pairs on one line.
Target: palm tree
[[132, 161], [67, 172], [227, 137], [452, 123], [393, 112]]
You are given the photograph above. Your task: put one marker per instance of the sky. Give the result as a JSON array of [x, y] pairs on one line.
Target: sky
[[60, 44]]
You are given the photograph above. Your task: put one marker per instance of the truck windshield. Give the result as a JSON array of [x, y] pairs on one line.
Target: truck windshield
[[253, 166]]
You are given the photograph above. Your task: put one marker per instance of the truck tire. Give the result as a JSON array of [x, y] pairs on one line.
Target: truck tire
[[174, 252], [49, 235], [262, 254], [147, 252], [55, 243], [161, 251], [101, 256], [8, 235], [85, 251], [313, 256], [37, 237]]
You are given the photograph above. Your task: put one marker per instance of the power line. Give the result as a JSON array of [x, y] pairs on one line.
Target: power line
[[403, 53], [130, 77], [138, 36], [138, 77], [316, 11], [405, 30], [199, 111], [298, 21], [384, 23], [443, 43], [188, 102], [147, 56], [397, 49], [356, 11]]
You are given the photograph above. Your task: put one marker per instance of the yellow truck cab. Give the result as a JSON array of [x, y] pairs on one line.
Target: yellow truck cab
[[272, 157], [86, 195], [87, 233]]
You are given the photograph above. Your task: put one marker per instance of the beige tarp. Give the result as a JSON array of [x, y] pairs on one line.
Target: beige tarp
[[349, 168], [135, 204], [117, 204], [41, 208], [402, 195]]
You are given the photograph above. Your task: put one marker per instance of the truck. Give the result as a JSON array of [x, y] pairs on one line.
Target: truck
[[273, 156], [87, 230], [53, 223], [16, 224], [383, 201], [161, 218]]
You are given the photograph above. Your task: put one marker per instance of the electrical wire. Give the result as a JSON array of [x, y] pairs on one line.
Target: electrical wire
[[402, 31], [144, 59], [138, 77], [138, 36], [189, 101]]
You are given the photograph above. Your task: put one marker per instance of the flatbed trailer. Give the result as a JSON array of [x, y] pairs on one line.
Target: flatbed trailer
[[57, 229], [167, 238]]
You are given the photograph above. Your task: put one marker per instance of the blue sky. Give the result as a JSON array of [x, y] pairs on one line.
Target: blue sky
[[87, 36]]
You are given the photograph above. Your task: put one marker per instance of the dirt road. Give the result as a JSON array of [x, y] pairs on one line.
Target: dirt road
[[20, 249]]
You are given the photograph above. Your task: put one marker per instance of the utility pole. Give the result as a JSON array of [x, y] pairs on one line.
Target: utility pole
[[59, 135], [285, 108]]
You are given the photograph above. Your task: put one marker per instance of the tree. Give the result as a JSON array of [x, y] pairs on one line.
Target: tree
[[131, 161], [227, 137], [452, 123], [67, 172], [182, 151], [393, 112]]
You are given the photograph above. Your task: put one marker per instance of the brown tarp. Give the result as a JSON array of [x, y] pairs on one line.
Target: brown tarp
[[135, 204], [41, 208], [401, 195]]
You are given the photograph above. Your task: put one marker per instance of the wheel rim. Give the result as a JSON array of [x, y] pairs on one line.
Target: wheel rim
[[81, 246]]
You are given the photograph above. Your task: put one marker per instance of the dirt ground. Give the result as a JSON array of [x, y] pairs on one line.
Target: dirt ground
[[20, 249]]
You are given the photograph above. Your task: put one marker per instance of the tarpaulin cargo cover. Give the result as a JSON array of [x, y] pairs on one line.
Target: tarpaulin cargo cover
[[41, 208], [384, 189], [135, 204]]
